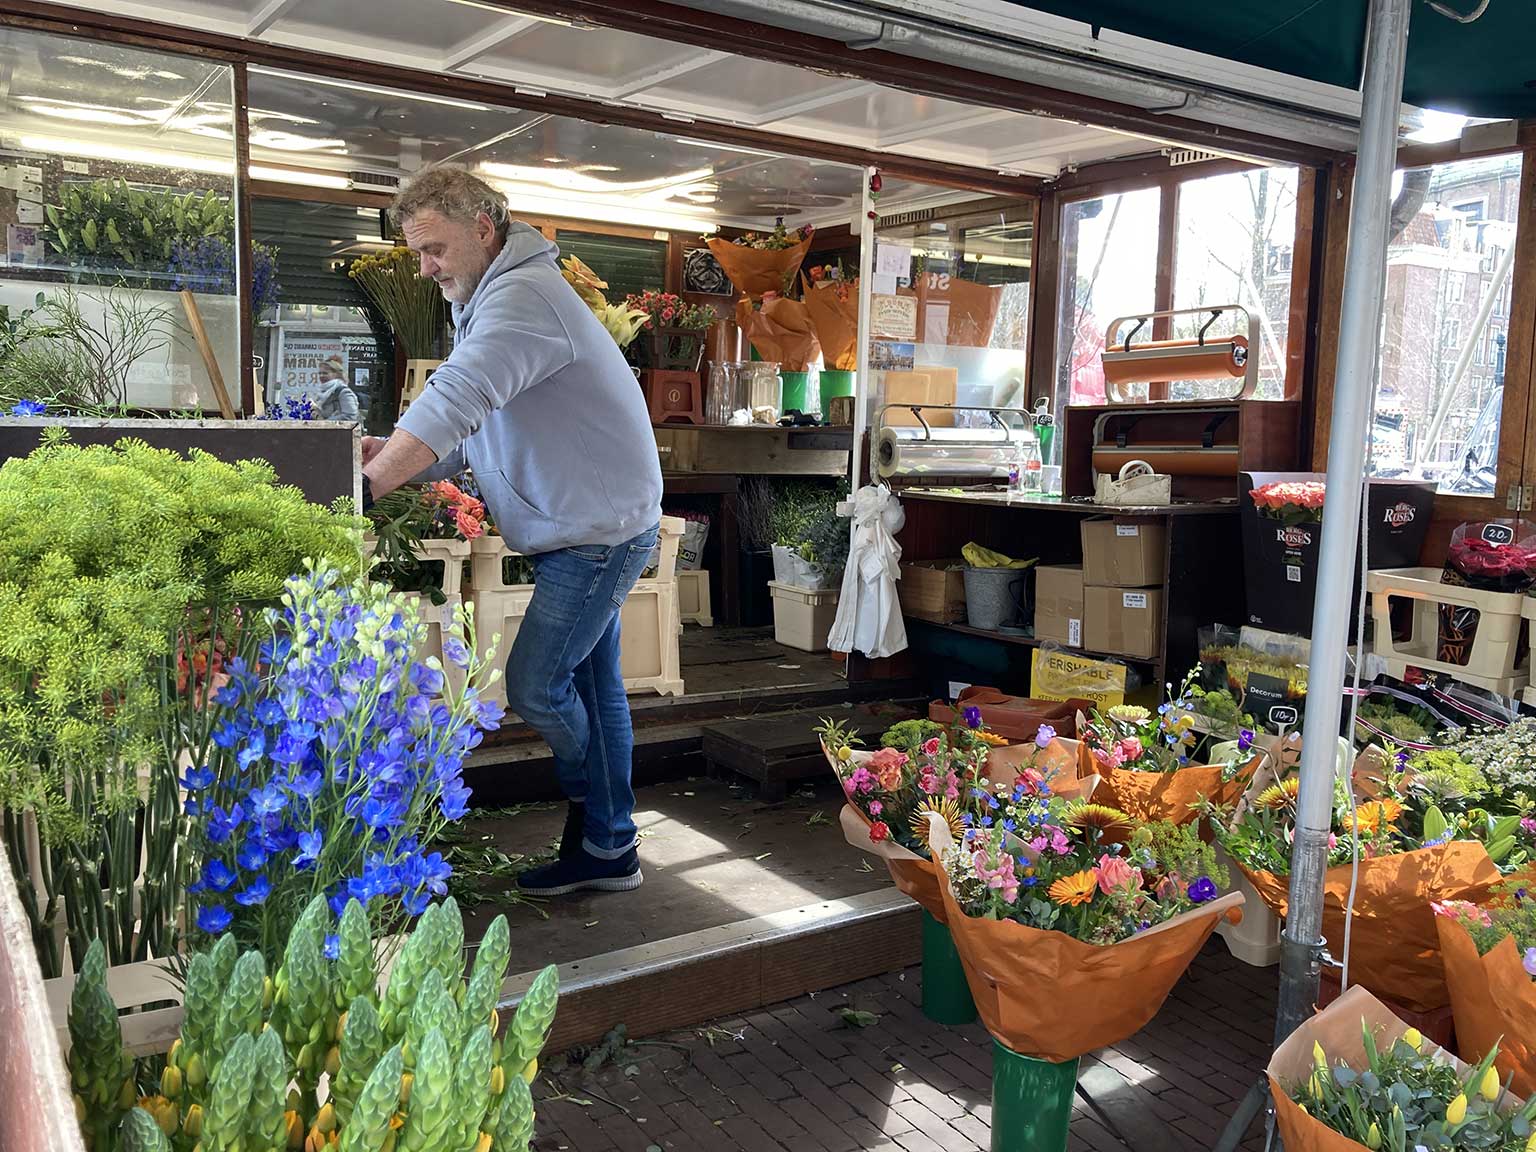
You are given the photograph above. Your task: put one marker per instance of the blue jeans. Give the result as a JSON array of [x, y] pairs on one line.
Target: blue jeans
[[564, 680]]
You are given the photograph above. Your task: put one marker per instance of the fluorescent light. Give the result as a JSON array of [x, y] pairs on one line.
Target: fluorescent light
[[529, 202], [304, 179], [393, 93], [500, 11], [97, 150], [579, 182]]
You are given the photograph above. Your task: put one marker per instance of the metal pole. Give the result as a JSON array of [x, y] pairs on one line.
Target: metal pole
[[862, 384], [1365, 274]]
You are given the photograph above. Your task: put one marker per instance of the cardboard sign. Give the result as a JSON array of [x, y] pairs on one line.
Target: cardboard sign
[[1063, 676]]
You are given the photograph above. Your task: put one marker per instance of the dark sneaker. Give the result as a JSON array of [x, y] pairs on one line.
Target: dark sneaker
[[575, 824], [582, 871]]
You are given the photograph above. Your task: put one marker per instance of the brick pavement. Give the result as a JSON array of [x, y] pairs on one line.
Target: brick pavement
[[794, 1078]]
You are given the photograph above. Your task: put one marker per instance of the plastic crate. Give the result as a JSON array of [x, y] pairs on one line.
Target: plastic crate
[[1494, 660], [802, 617], [693, 597]]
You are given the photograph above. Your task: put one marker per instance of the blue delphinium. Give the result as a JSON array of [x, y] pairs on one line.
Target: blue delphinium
[[334, 762], [29, 408]]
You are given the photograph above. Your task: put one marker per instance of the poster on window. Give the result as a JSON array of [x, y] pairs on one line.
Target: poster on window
[[311, 362]]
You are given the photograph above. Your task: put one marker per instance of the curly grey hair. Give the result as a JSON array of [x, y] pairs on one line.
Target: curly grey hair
[[453, 191]]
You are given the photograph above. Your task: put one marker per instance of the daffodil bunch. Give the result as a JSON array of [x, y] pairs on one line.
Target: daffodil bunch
[[1410, 1097]]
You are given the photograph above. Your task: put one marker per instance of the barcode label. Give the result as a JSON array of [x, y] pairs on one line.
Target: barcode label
[[1127, 530], [1293, 573], [1075, 633], [1133, 600]]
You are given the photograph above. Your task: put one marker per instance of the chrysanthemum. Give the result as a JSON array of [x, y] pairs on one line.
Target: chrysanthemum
[[1279, 795], [1075, 889], [1377, 814], [1110, 823], [948, 810]]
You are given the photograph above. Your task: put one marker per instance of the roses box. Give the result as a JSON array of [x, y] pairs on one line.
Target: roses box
[[1281, 544]]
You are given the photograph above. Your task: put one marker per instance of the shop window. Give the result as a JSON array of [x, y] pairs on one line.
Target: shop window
[[1229, 230], [1109, 270], [950, 309], [1431, 423], [116, 193], [630, 265]]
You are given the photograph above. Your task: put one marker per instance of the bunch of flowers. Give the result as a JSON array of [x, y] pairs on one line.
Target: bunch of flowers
[[777, 240], [1076, 867], [1129, 736], [1506, 757], [1291, 501], [207, 265], [669, 310], [333, 764], [831, 276], [1410, 1096], [1480, 563], [1511, 913], [299, 407], [404, 518], [411, 303], [920, 768]]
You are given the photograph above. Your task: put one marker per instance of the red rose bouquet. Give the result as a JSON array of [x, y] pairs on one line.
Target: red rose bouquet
[[1291, 501], [1487, 557]]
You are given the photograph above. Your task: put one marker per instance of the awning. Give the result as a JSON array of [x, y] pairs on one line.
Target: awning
[[1484, 69]]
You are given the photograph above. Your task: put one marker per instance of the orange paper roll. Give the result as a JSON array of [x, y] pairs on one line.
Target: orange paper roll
[[1214, 360]]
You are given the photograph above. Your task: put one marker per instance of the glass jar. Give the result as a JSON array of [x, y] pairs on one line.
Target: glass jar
[[764, 391], [726, 393]]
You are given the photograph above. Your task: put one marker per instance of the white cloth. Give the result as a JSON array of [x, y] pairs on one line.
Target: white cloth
[[868, 612]]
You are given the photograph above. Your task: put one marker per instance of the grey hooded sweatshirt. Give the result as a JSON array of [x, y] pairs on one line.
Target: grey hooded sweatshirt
[[537, 398]]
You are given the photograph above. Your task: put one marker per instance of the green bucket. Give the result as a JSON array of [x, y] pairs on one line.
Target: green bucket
[[1031, 1102], [798, 393], [834, 382], [946, 995]]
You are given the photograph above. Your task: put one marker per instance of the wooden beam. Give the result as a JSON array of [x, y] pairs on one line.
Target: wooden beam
[[1167, 262], [61, 20], [1044, 296], [1519, 415], [1341, 182], [473, 47], [1298, 333]]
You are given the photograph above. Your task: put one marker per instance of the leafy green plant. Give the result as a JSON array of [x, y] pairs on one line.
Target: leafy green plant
[[64, 360], [128, 576], [910, 735], [422, 1064], [113, 224]]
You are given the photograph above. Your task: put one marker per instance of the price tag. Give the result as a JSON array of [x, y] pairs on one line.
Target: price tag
[[1264, 694], [1133, 600], [1283, 716], [1134, 530], [1498, 534]]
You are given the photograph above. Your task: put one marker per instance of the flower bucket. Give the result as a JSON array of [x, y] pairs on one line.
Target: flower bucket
[[946, 995], [1031, 1101], [1494, 1002], [1049, 996], [1394, 945], [834, 383]]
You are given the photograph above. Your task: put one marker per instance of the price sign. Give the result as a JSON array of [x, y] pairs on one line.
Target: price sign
[[1498, 534], [1283, 716]]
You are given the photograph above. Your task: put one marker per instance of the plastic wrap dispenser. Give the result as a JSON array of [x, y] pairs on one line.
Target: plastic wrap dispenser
[[1203, 358], [952, 452]]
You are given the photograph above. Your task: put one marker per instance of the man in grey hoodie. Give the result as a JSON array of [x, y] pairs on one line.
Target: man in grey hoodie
[[537, 399]]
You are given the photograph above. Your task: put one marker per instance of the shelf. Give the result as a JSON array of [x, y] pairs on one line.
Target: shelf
[[1001, 499], [1031, 642]]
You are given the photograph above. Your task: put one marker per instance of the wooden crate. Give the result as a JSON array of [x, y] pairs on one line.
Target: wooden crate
[[1494, 660], [693, 597], [933, 590]]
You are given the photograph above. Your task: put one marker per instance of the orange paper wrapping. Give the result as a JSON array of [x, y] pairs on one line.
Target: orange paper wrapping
[[918, 877], [758, 271], [781, 332], [972, 312], [1394, 948], [1493, 1001], [836, 322], [1337, 1029], [1153, 796], [1053, 997]]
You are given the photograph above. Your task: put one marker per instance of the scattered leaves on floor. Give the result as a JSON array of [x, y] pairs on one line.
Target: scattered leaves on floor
[[745, 829], [865, 866], [816, 819], [855, 1018]]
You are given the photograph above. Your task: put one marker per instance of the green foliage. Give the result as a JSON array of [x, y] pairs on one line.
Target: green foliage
[[442, 1082], [910, 735], [112, 224]]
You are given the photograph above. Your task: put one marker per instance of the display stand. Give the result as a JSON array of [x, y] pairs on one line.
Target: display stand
[[946, 995], [673, 397], [1031, 1102]]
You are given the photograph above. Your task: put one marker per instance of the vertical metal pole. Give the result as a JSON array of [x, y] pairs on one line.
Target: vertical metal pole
[[862, 385], [1365, 275], [243, 259]]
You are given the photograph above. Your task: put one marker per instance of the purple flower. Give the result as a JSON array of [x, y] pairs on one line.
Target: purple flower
[[310, 844], [222, 825], [1529, 961], [197, 779], [218, 876], [1202, 891], [1044, 736], [268, 801], [306, 784], [255, 892], [972, 717], [1400, 761], [1245, 739], [455, 652], [213, 918]]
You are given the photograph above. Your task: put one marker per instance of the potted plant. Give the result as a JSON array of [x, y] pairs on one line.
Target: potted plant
[[674, 330]]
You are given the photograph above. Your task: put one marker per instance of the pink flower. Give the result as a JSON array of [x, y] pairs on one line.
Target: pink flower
[[860, 780], [875, 807], [931, 746], [928, 781], [1110, 757], [468, 526], [1030, 780], [1115, 873], [999, 879], [952, 787], [1130, 749], [1333, 841], [887, 765], [1059, 842], [1528, 826]]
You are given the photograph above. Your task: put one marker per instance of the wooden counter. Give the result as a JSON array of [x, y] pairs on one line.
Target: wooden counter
[[754, 450]]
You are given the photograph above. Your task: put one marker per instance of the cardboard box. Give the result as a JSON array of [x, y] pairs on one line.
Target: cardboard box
[[1058, 675], [1280, 559], [1124, 621], [1059, 605], [933, 590], [1125, 552]]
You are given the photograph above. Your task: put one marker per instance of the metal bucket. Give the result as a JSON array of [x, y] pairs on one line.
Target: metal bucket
[[996, 598]]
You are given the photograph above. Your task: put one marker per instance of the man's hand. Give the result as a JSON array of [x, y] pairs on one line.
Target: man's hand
[[397, 462], [372, 446]]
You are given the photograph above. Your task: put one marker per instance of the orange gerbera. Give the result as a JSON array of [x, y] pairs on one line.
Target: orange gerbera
[[1377, 814], [1075, 889], [1281, 794], [991, 739]]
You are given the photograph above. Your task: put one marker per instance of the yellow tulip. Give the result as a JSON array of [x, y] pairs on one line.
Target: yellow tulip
[[1490, 1087], [530, 1072], [1457, 1112], [1414, 1039], [1373, 1136], [1319, 1057], [1530, 1145]]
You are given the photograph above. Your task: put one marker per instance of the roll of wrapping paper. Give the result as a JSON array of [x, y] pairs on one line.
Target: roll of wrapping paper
[[1168, 459], [945, 452], [1213, 360]]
